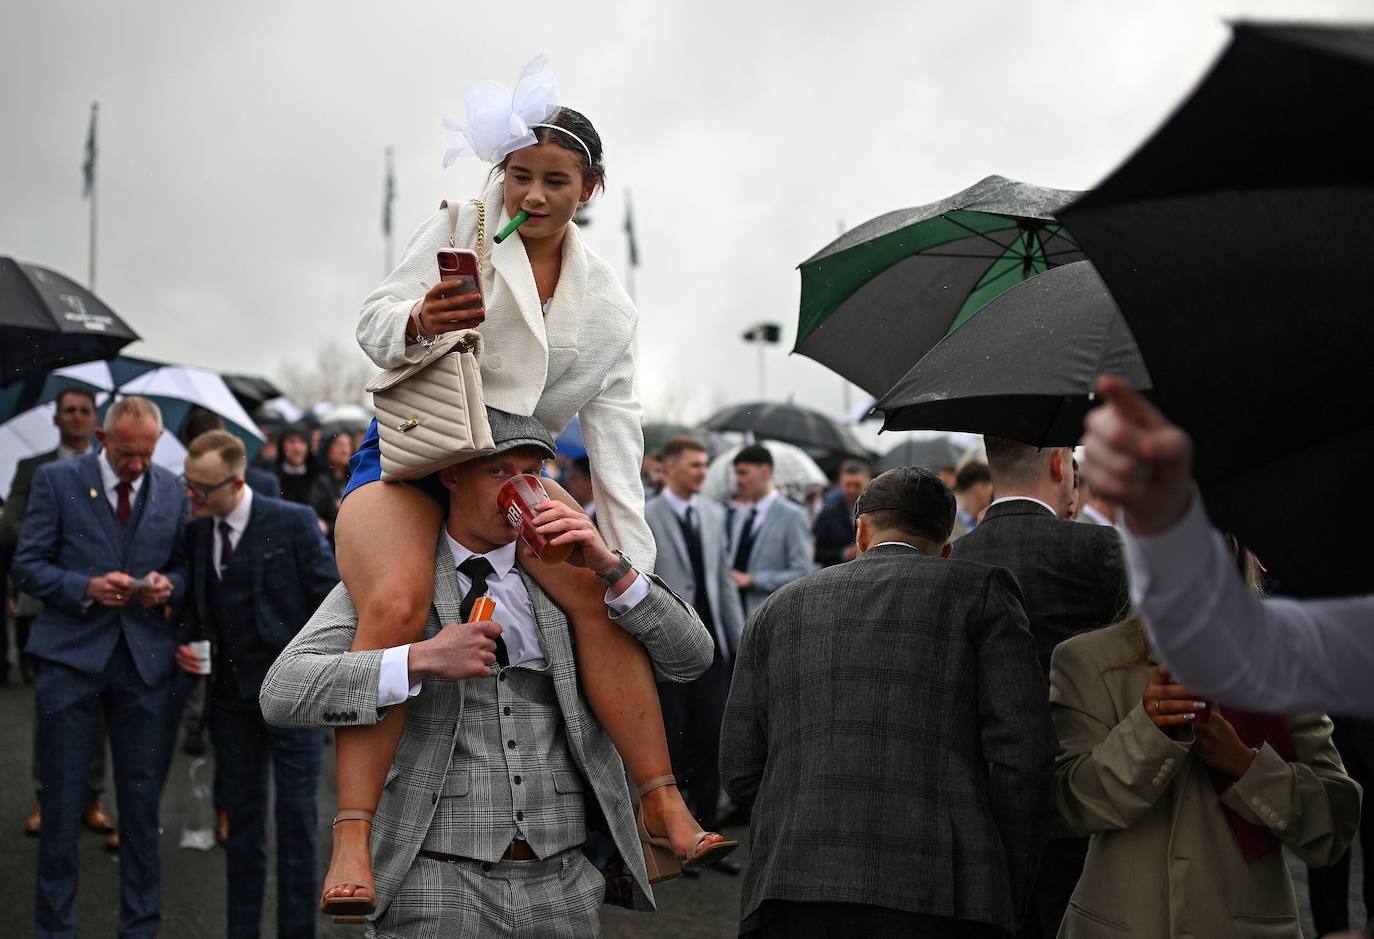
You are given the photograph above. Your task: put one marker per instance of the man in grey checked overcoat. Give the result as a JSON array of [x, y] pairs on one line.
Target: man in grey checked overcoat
[[507, 811], [890, 718]]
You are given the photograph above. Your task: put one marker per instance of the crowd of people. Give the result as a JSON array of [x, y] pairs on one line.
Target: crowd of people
[[1009, 697]]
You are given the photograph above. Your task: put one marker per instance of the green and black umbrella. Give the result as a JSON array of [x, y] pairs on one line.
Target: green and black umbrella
[[878, 298]]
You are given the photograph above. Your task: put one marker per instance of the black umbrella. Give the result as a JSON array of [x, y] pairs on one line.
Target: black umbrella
[[657, 433], [47, 321], [1025, 366], [933, 453], [880, 296], [252, 391], [790, 424], [1236, 241]]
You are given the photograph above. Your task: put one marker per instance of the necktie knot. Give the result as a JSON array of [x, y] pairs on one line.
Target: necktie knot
[[224, 528], [477, 568]]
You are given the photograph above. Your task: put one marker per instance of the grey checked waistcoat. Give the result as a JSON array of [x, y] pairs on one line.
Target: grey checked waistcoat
[[510, 772]]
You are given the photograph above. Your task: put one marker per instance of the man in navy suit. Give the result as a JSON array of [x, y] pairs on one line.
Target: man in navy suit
[[260, 567], [102, 549]]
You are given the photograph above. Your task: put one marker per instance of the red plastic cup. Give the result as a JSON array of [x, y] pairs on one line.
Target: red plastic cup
[[517, 499]]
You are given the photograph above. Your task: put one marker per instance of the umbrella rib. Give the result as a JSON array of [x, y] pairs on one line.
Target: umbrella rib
[[983, 235]]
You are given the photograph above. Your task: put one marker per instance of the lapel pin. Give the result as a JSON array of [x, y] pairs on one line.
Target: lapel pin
[[94, 493]]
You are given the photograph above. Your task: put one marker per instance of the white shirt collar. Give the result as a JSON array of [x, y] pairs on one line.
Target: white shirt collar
[[1025, 499], [238, 515], [678, 504], [1097, 518], [763, 505], [501, 560], [900, 544], [110, 481], [65, 452]]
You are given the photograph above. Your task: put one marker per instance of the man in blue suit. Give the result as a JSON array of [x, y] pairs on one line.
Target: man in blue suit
[[260, 567], [102, 549], [770, 535]]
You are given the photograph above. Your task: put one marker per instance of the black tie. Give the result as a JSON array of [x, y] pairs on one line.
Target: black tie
[[701, 600], [478, 569], [226, 548], [746, 542]]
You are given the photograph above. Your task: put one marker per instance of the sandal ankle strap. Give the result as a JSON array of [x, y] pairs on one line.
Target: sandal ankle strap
[[353, 815], [656, 783]]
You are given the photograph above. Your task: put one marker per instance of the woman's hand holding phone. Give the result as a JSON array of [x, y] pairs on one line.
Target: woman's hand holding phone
[[450, 305]]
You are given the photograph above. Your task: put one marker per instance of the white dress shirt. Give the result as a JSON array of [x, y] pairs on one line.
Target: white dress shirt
[[1223, 640], [110, 482], [1047, 506], [238, 521], [762, 506], [680, 505], [514, 612]]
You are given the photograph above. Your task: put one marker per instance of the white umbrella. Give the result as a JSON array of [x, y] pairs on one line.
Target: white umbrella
[[32, 432], [794, 472]]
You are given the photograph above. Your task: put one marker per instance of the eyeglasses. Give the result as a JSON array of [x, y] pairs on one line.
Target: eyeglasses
[[203, 492]]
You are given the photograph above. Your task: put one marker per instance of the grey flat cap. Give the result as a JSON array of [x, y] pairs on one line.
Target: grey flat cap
[[511, 431]]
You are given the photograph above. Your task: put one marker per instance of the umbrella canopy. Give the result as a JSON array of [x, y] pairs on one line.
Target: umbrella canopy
[[48, 320], [177, 390], [1025, 366], [251, 391], [656, 433], [788, 423], [794, 472], [933, 453], [879, 297], [1236, 242]]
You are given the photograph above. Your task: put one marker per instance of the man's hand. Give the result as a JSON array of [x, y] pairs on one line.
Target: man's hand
[[1134, 456], [158, 592], [1219, 746], [742, 580], [562, 524], [187, 660], [459, 650], [112, 589]]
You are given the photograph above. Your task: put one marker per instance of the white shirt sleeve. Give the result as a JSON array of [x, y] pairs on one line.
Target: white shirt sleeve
[[1221, 639], [392, 687], [627, 601]]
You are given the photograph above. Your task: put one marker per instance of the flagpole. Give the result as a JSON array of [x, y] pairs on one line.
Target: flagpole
[[91, 190], [388, 257]]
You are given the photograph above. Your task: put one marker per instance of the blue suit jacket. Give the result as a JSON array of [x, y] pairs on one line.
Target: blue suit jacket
[[70, 535], [293, 570]]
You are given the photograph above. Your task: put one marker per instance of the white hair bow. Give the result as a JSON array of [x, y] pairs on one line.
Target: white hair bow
[[499, 120]]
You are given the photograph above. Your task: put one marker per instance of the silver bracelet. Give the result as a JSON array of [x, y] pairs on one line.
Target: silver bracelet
[[426, 341]]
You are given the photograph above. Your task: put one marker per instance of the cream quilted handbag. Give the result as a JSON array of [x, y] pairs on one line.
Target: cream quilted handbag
[[430, 414]]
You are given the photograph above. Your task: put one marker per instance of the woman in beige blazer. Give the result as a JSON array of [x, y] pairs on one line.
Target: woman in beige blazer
[[1175, 801]]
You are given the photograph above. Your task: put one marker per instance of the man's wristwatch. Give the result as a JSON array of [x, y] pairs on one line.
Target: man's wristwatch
[[617, 572]]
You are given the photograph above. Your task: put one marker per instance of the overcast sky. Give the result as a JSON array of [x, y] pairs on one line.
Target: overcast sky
[[241, 147]]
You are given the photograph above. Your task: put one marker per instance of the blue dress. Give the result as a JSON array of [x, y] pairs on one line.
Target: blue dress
[[365, 467]]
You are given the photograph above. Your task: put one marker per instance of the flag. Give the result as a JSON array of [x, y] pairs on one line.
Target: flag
[[390, 194], [630, 231], [88, 166]]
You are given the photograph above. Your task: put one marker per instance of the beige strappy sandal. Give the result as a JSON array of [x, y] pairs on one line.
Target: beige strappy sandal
[[659, 858], [352, 910]]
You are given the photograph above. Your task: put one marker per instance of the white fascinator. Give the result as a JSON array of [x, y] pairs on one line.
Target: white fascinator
[[500, 120]]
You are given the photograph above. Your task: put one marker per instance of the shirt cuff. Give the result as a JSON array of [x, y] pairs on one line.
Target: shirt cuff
[[627, 601], [1173, 557], [392, 687]]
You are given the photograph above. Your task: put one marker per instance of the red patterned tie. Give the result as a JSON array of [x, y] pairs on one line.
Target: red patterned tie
[[123, 510]]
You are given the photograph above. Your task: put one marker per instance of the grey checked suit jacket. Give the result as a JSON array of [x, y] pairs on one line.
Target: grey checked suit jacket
[[675, 567], [892, 720], [784, 549], [317, 682]]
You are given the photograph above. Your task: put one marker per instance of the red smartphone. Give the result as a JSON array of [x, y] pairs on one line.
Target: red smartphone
[[459, 264]]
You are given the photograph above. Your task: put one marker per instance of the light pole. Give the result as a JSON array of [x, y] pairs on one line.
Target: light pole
[[763, 335]]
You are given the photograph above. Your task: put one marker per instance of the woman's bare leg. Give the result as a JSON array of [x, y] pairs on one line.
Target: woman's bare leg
[[618, 680], [384, 538]]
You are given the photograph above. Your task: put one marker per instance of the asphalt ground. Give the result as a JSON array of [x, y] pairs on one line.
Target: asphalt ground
[[194, 889]]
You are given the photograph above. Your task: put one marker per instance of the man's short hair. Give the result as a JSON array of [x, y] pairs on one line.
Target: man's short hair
[[583, 465], [1014, 461], [911, 500], [971, 475], [140, 409], [676, 446], [198, 422], [856, 468], [755, 454], [76, 390], [231, 450]]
